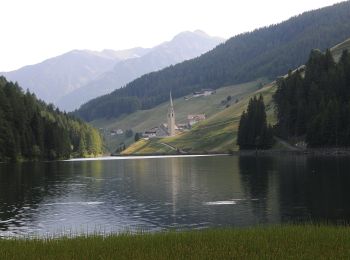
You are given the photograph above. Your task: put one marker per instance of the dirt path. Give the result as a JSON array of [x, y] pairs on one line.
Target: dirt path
[[170, 146]]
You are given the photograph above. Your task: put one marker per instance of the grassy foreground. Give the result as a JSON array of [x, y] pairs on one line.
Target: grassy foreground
[[279, 242]]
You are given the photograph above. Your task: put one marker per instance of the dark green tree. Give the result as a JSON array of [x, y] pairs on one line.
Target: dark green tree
[[31, 129], [253, 131], [137, 137], [315, 106]]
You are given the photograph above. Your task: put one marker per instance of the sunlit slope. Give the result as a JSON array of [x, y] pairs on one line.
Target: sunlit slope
[[216, 134], [219, 132], [146, 119], [338, 49]]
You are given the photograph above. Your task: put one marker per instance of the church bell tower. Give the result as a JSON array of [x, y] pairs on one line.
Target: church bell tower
[[171, 118]]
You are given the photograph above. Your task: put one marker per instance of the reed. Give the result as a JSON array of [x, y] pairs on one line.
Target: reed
[[274, 242]]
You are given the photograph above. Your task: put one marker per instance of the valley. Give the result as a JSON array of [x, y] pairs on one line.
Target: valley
[[146, 119], [218, 133]]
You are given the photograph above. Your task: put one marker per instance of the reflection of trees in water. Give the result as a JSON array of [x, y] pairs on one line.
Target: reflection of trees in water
[[259, 184], [174, 190], [315, 188], [23, 186], [292, 182]]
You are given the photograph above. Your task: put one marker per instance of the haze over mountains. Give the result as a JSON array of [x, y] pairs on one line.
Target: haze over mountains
[[58, 76], [74, 78], [184, 46], [266, 52]]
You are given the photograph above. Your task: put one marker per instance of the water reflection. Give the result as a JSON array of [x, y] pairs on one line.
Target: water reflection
[[261, 183], [162, 193]]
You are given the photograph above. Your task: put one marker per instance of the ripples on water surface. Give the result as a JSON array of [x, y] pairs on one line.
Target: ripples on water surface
[[85, 196]]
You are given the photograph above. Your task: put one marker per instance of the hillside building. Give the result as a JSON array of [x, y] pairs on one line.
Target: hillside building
[[204, 93], [193, 119]]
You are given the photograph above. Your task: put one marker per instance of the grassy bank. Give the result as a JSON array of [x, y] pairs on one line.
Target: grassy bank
[[279, 242], [217, 134]]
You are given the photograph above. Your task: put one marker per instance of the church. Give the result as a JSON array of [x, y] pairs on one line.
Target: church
[[171, 118], [167, 129]]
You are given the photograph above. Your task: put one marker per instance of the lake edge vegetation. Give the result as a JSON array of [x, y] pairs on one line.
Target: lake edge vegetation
[[32, 130], [276, 242]]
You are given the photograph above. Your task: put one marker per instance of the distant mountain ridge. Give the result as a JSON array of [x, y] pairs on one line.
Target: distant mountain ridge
[[75, 77], [57, 76], [184, 46], [265, 52]]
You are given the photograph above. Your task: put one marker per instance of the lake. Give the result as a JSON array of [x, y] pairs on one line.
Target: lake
[[152, 194]]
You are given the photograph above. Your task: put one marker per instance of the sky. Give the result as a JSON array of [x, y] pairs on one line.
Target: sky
[[32, 31]]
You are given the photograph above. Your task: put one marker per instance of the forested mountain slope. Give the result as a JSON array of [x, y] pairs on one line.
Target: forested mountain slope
[[312, 105], [265, 52], [30, 129]]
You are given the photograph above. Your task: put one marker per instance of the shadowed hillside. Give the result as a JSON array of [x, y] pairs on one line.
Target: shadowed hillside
[[265, 52]]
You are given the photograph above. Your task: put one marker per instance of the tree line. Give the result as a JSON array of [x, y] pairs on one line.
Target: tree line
[[314, 104], [253, 130], [266, 52], [33, 130]]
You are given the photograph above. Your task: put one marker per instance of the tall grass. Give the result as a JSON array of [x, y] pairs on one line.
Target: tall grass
[[278, 242]]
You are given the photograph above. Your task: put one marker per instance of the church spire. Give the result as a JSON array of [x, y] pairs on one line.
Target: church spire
[[171, 101], [171, 118]]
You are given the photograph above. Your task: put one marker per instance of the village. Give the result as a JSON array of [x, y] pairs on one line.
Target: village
[[170, 128]]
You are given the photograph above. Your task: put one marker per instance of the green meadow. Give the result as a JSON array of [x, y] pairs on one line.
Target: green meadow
[[146, 119], [275, 242], [216, 134]]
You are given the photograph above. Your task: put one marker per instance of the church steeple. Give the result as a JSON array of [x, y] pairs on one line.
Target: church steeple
[[171, 118]]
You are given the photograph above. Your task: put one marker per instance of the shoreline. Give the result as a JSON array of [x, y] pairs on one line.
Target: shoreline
[[336, 152], [327, 152]]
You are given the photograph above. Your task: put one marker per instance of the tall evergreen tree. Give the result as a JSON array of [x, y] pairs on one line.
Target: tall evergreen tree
[[315, 107], [30, 129], [253, 131]]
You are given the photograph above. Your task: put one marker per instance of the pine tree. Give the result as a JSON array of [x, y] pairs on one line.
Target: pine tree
[[316, 107], [31, 129], [253, 131]]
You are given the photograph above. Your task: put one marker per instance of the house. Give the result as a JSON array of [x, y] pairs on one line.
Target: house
[[182, 127], [154, 132], [149, 134], [119, 132], [204, 93], [193, 119], [208, 92], [116, 132]]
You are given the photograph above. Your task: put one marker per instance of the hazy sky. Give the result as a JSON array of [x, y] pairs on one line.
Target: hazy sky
[[34, 30]]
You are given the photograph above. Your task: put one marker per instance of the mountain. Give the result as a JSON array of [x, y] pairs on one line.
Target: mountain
[[32, 130], [218, 133], [183, 46], [265, 52], [56, 77]]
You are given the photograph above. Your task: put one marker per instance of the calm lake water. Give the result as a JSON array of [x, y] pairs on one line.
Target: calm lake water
[[56, 198]]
